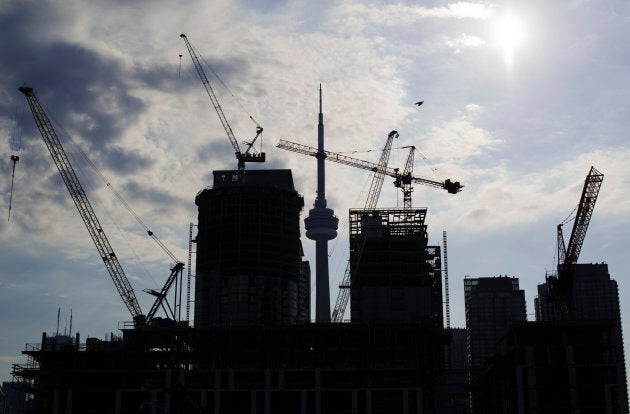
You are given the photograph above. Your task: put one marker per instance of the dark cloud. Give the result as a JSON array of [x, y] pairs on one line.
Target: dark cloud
[[155, 196], [125, 161], [84, 91], [171, 78], [217, 148]]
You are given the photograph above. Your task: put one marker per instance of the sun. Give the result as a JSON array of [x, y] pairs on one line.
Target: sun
[[510, 35]]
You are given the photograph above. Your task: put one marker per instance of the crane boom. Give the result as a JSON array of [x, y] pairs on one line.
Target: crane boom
[[592, 184], [448, 185], [561, 286], [241, 157], [372, 199], [379, 173], [82, 203]]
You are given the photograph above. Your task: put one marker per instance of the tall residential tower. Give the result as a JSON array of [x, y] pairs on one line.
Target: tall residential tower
[[493, 305]]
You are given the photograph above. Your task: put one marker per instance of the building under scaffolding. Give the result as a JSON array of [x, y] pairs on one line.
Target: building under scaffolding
[[310, 368], [249, 254], [396, 276]]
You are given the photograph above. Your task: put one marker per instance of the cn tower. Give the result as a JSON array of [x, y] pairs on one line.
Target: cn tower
[[321, 226]]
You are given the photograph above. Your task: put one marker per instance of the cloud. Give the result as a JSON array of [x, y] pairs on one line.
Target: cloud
[[400, 14], [464, 41], [520, 143]]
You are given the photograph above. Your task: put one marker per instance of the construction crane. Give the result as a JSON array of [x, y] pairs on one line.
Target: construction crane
[[561, 285], [404, 180], [448, 185], [250, 155], [90, 219], [370, 203]]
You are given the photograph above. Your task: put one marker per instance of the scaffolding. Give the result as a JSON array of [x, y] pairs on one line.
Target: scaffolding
[[396, 275], [310, 368]]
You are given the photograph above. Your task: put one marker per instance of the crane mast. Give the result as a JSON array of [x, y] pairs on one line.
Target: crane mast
[[82, 203], [403, 181], [448, 185], [240, 156]]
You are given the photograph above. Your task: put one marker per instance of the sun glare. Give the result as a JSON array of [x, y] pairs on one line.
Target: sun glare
[[510, 35]]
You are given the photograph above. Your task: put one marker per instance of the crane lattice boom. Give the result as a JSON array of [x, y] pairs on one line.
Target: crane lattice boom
[[451, 187], [372, 200], [82, 203], [561, 286], [241, 157], [592, 184]]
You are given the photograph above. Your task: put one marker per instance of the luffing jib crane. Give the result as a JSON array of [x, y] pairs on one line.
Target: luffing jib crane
[[90, 219], [250, 155], [372, 200], [561, 286]]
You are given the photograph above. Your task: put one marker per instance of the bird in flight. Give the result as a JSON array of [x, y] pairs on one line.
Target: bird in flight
[[419, 103]]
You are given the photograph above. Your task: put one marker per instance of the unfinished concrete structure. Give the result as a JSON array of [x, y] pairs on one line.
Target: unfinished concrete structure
[[595, 298], [559, 367], [311, 368], [396, 276], [249, 254]]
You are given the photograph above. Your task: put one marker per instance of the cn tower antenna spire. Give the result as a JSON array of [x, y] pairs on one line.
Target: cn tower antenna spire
[[320, 100], [321, 226]]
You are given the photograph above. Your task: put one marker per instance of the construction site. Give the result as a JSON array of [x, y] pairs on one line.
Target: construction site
[[385, 345]]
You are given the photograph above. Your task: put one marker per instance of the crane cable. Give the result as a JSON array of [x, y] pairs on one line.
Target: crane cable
[[434, 169], [216, 75], [570, 216], [117, 194], [15, 144], [238, 101], [15, 159]]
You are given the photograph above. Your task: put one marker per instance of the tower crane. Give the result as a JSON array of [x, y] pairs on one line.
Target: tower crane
[[448, 185], [370, 203], [90, 219], [403, 180], [561, 285], [250, 155]]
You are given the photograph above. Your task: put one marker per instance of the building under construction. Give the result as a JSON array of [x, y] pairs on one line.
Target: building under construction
[[395, 275], [249, 254], [553, 367], [253, 348], [307, 368]]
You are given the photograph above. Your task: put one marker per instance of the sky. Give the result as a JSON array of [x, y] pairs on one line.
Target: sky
[[520, 100]]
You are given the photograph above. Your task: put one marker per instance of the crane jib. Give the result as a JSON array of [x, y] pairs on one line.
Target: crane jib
[[92, 224]]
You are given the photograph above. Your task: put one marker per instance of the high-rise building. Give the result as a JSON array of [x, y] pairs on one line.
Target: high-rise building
[[396, 276], [493, 305], [249, 256], [595, 298]]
